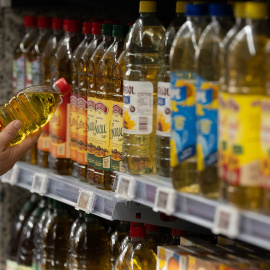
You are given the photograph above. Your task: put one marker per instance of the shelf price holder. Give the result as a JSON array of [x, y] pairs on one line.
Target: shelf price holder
[[126, 187], [40, 184], [11, 177], [226, 221], [165, 200], [86, 201]]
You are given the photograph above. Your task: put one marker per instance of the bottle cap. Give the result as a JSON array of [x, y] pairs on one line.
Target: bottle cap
[[57, 23], [220, 10], [72, 25], [151, 228], [63, 86], [197, 10], [87, 28], [181, 6], [29, 21], [176, 232], [256, 10], [44, 22], [96, 28], [239, 10], [120, 30], [106, 29], [137, 229], [148, 6]]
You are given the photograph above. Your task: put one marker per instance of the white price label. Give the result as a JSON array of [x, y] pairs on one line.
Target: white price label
[[86, 201], [126, 187], [40, 184], [226, 221], [165, 200], [11, 176]]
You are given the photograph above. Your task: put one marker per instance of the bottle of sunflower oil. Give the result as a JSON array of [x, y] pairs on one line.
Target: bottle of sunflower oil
[[239, 13], [59, 160], [163, 132], [112, 121], [183, 97], [208, 75], [140, 91], [246, 87], [78, 108], [43, 145]]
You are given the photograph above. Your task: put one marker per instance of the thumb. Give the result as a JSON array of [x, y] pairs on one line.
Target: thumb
[[9, 133]]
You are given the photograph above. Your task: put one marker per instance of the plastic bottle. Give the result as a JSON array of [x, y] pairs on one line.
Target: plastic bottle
[[163, 131], [176, 235], [239, 12], [108, 124], [13, 244], [140, 91], [26, 244], [182, 77], [246, 86], [56, 236], [122, 246], [45, 79], [153, 236], [59, 160], [91, 246]]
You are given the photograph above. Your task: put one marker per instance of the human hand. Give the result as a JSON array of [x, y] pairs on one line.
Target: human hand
[[9, 155]]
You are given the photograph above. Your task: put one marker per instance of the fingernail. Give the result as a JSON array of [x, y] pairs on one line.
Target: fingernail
[[17, 124]]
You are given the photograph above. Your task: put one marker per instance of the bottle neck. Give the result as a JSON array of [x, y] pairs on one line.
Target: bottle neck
[[57, 32], [30, 29], [178, 15], [70, 34], [147, 14], [107, 38], [44, 31], [87, 36], [240, 20], [259, 24], [117, 39], [152, 233], [137, 239]]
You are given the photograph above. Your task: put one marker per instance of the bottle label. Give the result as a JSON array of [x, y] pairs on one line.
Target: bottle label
[[82, 130], [60, 129], [36, 71], [244, 118], [44, 139], [14, 76], [20, 73], [223, 135], [103, 135], [207, 119], [138, 107], [29, 75], [117, 137], [164, 110], [11, 265], [73, 126], [91, 131], [183, 110], [22, 267]]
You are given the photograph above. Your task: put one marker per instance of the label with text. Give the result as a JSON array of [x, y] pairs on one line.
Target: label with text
[[73, 126], [91, 131]]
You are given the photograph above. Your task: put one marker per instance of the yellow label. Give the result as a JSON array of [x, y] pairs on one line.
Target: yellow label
[[91, 130], [73, 126], [29, 76], [161, 258], [11, 265], [244, 118], [191, 263]]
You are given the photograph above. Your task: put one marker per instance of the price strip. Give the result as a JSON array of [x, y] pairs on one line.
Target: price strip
[[126, 187], [40, 184], [165, 200], [86, 201], [226, 221], [11, 176]]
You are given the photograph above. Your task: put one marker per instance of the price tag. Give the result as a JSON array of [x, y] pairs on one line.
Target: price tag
[[126, 187], [86, 201], [40, 184], [11, 176], [226, 221], [165, 200]]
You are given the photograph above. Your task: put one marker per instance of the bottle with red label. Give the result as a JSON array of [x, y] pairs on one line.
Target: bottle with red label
[[59, 160]]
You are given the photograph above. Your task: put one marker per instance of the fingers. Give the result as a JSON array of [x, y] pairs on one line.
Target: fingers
[[8, 134]]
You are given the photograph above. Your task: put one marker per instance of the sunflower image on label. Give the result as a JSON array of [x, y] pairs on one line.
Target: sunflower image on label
[[244, 125], [29, 75], [183, 114], [73, 126], [117, 137], [207, 122], [20, 73], [138, 107], [103, 136], [164, 110], [91, 131], [36, 71]]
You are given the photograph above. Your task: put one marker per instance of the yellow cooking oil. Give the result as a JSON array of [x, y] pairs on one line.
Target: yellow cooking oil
[[140, 90], [246, 87], [183, 98]]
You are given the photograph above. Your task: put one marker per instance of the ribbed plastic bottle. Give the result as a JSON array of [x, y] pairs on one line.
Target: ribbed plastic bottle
[[183, 98], [26, 244], [122, 246], [45, 79], [239, 13], [21, 219], [140, 91], [246, 87], [207, 90], [33, 106], [59, 160], [163, 130], [109, 122]]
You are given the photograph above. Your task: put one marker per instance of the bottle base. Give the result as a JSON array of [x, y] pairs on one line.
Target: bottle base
[[43, 159], [82, 172], [90, 175], [102, 179], [60, 166], [140, 165]]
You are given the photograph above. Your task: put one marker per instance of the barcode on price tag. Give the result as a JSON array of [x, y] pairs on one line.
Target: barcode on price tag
[[165, 200], [40, 184], [126, 187], [86, 201], [11, 176], [226, 221]]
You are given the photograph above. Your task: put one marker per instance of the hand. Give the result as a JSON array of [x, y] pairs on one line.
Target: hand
[[9, 155]]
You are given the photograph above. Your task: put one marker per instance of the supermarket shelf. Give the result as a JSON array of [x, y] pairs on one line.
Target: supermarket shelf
[[157, 193]]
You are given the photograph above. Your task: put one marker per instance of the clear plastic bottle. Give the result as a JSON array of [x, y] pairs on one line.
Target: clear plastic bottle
[[207, 90], [33, 106], [45, 79], [183, 98], [246, 87], [163, 131], [140, 91], [59, 158]]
